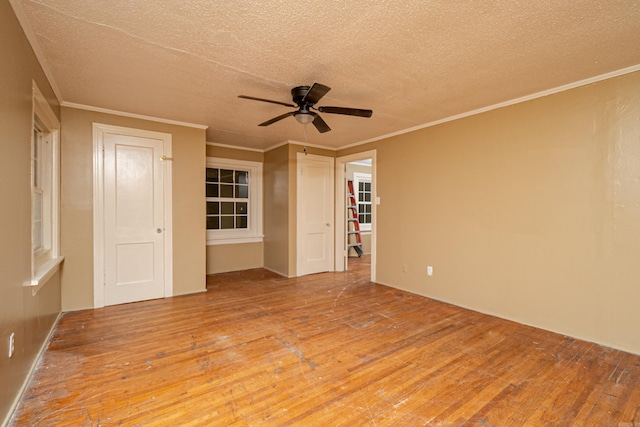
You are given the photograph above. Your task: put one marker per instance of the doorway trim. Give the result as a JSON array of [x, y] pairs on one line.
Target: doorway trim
[[341, 259], [99, 130]]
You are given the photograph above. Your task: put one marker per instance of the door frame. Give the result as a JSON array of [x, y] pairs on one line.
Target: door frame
[[99, 130], [299, 235], [341, 262]]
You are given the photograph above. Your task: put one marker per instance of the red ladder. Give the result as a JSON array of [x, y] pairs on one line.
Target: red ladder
[[352, 218]]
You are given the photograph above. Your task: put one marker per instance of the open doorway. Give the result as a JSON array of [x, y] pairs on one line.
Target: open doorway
[[356, 211]]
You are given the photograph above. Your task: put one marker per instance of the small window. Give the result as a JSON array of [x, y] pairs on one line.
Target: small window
[[233, 197], [227, 199], [37, 189], [363, 188], [44, 191]]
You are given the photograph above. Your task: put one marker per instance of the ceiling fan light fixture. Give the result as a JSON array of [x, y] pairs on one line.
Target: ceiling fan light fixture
[[304, 118]]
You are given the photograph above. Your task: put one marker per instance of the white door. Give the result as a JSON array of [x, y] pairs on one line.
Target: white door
[[315, 214], [134, 217]]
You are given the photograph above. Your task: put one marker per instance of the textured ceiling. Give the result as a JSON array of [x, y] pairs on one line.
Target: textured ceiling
[[411, 62]]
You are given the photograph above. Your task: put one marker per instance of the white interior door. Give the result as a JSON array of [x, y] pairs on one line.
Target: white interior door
[[134, 216], [315, 214]]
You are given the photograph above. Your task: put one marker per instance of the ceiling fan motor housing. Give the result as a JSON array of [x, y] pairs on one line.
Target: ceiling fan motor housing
[[298, 93]]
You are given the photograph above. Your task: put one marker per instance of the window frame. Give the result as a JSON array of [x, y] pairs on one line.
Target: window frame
[[253, 232], [359, 177], [44, 181], [39, 180]]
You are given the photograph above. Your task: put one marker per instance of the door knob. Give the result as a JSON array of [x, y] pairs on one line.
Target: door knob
[[328, 224], [159, 230]]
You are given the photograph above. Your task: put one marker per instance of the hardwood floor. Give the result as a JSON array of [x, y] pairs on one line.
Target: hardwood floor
[[329, 349]]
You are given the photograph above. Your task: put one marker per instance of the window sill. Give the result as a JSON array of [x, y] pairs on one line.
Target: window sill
[[44, 272], [234, 240]]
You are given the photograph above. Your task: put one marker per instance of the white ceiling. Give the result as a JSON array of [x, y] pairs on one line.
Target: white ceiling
[[412, 62]]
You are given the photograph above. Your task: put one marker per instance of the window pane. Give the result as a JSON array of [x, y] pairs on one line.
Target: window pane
[[212, 190], [37, 235], [360, 186], [36, 156], [367, 186], [241, 221], [226, 190], [241, 208], [37, 206], [213, 208], [242, 177], [227, 208], [37, 220], [226, 222], [213, 222], [361, 218], [212, 175], [367, 208], [226, 175], [367, 197], [242, 191]]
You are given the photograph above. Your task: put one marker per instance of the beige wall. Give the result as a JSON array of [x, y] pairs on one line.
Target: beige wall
[[529, 212], [280, 195], [189, 259], [278, 251], [232, 153], [276, 210], [234, 257], [29, 316]]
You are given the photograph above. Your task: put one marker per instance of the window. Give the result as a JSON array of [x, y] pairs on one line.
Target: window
[[40, 138], [234, 201], [44, 192], [362, 183]]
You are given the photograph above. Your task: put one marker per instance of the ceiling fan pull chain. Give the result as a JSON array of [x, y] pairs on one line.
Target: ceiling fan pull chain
[[304, 149]]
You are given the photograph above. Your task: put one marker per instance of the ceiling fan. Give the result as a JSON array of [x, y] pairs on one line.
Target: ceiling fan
[[305, 98]]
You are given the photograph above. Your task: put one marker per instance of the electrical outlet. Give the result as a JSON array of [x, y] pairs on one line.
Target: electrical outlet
[[429, 270], [12, 344]]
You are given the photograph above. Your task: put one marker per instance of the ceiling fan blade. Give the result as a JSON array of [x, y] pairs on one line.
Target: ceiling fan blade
[[265, 100], [316, 92], [276, 119], [347, 111], [320, 124]]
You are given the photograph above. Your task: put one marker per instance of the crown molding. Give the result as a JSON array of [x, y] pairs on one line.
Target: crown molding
[[302, 144], [522, 99], [234, 147], [132, 115]]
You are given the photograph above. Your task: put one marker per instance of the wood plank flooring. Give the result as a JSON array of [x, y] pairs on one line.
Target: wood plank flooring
[[328, 349]]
